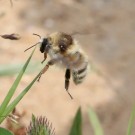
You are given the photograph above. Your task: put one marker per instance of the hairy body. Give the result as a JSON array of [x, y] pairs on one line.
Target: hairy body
[[66, 53]]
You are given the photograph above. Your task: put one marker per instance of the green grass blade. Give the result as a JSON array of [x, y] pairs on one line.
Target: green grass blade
[[95, 122], [4, 131], [77, 124], [131, 121], [12, 69], [11, 106], [14, 86]]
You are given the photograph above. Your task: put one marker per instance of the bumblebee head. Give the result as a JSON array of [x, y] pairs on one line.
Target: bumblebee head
[[58, 41], [44, 46]]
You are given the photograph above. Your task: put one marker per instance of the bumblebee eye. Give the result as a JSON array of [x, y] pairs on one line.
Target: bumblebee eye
[[62, 47]]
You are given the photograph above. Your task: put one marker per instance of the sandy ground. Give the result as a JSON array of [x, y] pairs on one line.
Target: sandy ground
[[109, 87]]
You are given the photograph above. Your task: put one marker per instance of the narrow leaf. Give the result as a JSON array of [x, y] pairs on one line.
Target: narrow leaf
[[131, 121], [95, 122], [77, 124], [12, 69], [14, 86], [19, 97]]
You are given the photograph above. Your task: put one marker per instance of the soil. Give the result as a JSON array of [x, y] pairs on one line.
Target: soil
[[108, 29]]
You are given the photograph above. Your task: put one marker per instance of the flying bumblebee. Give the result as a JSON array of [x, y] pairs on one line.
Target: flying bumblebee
[[65, 52]]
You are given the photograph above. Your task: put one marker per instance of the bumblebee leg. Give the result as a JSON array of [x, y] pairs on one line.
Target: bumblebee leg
[[67, 78], [45, 56], [51, 62]]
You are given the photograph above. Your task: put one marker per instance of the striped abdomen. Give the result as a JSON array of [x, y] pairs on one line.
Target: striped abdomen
[[80, 74]]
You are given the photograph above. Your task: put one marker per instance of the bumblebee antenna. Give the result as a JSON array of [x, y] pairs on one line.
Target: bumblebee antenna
[[35, 44], [37, 35], [31, 47]]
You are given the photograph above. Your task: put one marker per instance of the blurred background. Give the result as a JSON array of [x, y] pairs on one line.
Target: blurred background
[[109, 87]]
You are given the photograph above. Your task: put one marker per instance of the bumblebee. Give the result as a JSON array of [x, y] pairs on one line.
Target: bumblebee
[[64, 51]]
